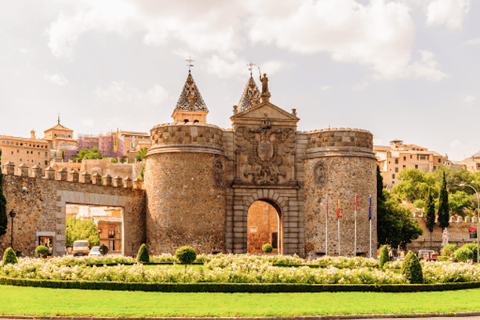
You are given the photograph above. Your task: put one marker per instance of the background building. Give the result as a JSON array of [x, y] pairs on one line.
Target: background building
[[394, 158]]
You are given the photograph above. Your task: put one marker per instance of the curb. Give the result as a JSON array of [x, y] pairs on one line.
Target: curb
[[332, 317]]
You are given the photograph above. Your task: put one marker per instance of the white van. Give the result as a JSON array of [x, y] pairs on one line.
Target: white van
[[81, 248]]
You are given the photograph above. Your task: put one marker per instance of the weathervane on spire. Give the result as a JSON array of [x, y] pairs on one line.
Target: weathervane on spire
[[250, 67], [189, 65], [58, 118]]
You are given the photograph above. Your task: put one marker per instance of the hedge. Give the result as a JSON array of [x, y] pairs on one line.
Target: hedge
[[235, 287]]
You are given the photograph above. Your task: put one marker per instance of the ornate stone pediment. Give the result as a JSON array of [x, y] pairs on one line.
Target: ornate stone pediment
[[258, 112]]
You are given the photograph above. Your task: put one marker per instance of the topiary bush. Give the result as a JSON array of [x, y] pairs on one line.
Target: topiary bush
[[142, 255], [412, 269], [186, 255], [384, 257], [41, 250], [448, 250], [267, 248], [9, 257]]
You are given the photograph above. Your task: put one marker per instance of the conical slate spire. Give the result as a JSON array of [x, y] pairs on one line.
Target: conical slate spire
[[250, 96], [190, 98]]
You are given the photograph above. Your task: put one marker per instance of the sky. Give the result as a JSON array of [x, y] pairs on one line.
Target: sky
[[402, 69]]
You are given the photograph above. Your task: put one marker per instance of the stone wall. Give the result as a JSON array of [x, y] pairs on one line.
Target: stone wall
[[185, 183], [40, 206], [459, 233], [339, 163]]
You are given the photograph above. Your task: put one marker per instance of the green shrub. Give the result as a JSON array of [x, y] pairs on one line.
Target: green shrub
[[463, 254], [267, 247], [384, 257], [412, 269], [448, 250], [142, 255], [186, 255], [443, 258], [9, 257], [41, 250], [472, 247]]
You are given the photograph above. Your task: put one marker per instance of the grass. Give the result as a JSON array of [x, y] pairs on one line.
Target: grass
[[44, 301]]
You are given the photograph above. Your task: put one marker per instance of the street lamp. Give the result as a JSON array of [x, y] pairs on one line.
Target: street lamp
[[478, 214], [12, 215]]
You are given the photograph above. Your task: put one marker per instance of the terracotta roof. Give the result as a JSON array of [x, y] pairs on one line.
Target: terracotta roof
[[190, 99], [58, 127], [250, 96], [107, 219], [24, 139]]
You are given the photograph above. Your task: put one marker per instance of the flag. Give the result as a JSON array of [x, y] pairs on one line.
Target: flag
[[370, 209], [355, 207], [326, 208], [338, 208]]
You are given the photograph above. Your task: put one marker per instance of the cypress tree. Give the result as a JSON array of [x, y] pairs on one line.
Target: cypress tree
[[412, 269], [3, 205], [443, 208], [384, 257], [430, 214]]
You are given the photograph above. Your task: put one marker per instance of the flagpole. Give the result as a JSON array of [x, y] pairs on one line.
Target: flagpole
[[355, 247], [338, 237]]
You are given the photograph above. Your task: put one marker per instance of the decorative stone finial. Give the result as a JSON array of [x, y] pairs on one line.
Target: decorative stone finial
[[137, 184], [9, 168], [36, 171], [23, 170], [117, 182], [96, 178], [107, 180], [86, 178], [63, 174]]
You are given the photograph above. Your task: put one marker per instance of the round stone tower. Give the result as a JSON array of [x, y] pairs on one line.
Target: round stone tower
[[340, 165], [185, 180]]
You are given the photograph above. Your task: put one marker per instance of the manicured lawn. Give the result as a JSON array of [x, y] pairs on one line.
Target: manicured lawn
[[42, 301]]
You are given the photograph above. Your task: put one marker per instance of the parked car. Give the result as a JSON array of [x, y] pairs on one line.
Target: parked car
[[95, 252], [80, 248]]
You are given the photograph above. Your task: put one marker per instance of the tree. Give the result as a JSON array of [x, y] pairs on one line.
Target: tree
[[443, 208], [141, 154], [186, 255], [430, 213], [394, 224], [3, 205], [458, 201], [86, 153], [384, 257], [412, 269], [455, 177], [81, 230], [9, 256], [414, 186]]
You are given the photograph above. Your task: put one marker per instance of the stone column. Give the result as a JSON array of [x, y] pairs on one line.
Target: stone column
[[127, 183], [107, 180], [96, 178], [117, 182]]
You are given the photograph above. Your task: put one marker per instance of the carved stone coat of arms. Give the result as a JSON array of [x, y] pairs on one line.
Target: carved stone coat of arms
[[265, 154]]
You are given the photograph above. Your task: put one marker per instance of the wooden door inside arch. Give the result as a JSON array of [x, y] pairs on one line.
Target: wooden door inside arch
[[264, 225]]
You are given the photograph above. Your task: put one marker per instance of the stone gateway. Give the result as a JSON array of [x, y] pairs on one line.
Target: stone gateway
[[201, 180]]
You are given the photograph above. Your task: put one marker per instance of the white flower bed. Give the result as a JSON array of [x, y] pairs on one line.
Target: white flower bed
[[236, 269]]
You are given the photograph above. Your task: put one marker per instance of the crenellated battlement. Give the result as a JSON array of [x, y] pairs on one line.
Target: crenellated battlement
[[340, 142], [453, 219], [186, 137], [73, 176]]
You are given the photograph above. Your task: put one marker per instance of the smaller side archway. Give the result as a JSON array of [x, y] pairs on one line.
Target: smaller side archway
[[264, 225]]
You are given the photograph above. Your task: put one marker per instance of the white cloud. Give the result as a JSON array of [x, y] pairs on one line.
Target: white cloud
[[56, 78], [427, 68], [120, 93], [458, 151], [468, 99], [473, 41], [360, 86], [447, 12], [325, 88], [377, 142], [88, 122], [229, 65], [203, 27], [378, 35]]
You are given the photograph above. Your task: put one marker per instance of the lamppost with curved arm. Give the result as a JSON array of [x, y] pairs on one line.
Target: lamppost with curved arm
[[478, 215]]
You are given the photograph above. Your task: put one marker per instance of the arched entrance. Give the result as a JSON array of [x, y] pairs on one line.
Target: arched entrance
[[264, 225]]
